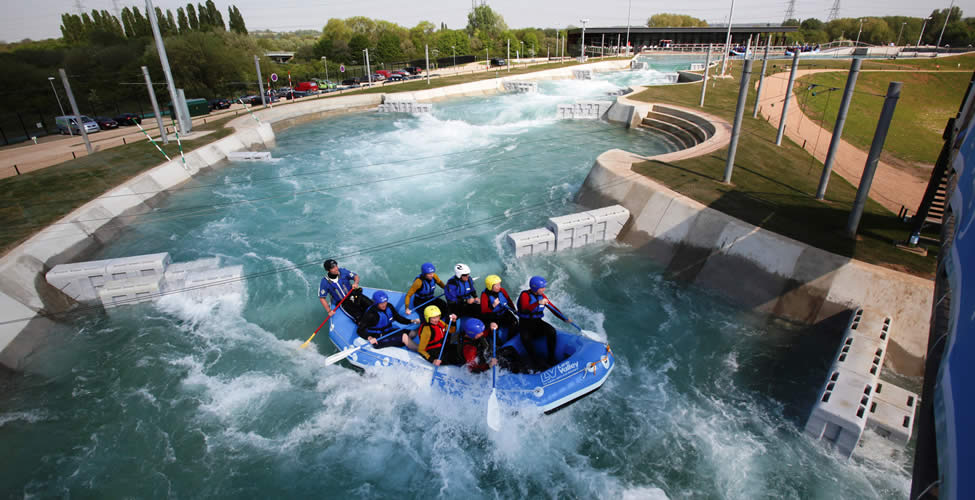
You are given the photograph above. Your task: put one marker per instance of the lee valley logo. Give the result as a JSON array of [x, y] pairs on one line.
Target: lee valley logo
[[558, 370]]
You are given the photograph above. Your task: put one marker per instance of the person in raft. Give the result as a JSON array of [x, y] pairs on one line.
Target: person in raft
[[460, 293], [433, 337], [338, 282], [378, 321], [496, 305], [424, 288], [531, 309], [476, 346]]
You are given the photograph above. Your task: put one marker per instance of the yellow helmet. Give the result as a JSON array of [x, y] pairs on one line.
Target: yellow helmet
[[492, 280], [430, 312]]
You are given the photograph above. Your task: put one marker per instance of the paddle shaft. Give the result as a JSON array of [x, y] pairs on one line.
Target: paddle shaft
[[443, 345], [348, 353], [330, 314], [559, 314], [417, 308]]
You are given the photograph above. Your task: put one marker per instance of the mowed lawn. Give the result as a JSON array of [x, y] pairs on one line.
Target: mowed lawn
[[928, 100]]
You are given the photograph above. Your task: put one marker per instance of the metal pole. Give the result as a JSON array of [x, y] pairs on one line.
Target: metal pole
[[707, 66], [51, 79], [857, 44], [369, 71], [507, 61], [899, 33], [583, 44], [602, 47], [617, 44], [558, 44], [487, 60], [155, 106], [727, 43], [788, 97], [947, 16], [834, 143], [74, 109], [925, 23], [746, 76], [260, 81], [325, 60], [883, 124], [761, 78], [164, 61], [629, 9], [426, 50]]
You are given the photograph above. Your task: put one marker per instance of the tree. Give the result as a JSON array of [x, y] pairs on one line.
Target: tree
[[388, 48], [674, 21], [173, 27], [203, 17], [140, 24], [484, 20], [237, 21], [357, 44], [812, 24], [128, 23], [191, 15], [184, 26], [213, 14]]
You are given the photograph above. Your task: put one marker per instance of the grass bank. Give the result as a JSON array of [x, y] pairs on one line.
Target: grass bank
[[774, 187], [34, 200], [927, 101]]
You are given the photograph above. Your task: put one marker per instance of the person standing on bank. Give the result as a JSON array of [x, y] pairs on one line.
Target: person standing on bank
[[337, 283], [531, 309], [378, 321], [496, 305], [424, 288], [460, 293]]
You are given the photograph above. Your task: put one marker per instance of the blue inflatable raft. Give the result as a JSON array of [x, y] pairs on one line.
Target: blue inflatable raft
[[584, 366]]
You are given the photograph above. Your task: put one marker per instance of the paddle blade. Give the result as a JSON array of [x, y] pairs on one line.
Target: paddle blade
[[494, 411], [594, 335], [339, 356], [308, 341]]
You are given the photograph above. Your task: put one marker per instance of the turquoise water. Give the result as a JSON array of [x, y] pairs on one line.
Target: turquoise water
[[211, 397]]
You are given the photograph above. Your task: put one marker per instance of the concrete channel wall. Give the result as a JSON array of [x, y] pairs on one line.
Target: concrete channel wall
[[758, 269], [27, 300]]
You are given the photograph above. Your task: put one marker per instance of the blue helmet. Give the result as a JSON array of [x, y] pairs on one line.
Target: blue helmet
[[537, 282], [473, 327], [379, 297], [427, 268]]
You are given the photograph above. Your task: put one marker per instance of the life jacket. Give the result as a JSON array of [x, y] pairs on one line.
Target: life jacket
[[535, 313], [337, 287], [480, 347], [427, 289], [502, 301], [385, 323], [436, 337], [458, 290]]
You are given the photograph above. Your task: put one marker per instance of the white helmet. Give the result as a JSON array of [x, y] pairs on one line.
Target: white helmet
[[461, 269]]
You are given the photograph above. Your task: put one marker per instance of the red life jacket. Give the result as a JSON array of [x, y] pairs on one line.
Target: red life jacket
[[436, 335]]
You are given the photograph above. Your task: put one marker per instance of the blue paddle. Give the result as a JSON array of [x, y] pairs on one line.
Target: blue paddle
[[446, 335], [493, 410]]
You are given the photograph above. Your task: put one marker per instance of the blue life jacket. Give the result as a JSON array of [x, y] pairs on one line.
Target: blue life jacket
[[385, 323], [459, 290], [426, 291], [502, 301], [536, 313], [339, 287]]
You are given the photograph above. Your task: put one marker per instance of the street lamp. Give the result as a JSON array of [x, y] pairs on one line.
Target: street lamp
[[727, 42], [368, 71], [925, 23], [455, 54], [857, 44], [325, 62], [947, 16], [899, 34], [522, 50], [51, 79], [583, 21]]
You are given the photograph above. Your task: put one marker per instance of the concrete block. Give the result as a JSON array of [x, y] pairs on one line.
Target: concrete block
[[608, 222], [892, 412], [249, 156], [520, 87], [532, 242], [840, 414], [130, 291], [571, 231], [137, 266], [212, 282], [697, 66], [79, 280], [405, 107], [583, 110], [175, 276], [582, 74]]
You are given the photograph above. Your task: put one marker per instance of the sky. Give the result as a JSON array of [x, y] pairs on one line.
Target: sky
[[41, 19]]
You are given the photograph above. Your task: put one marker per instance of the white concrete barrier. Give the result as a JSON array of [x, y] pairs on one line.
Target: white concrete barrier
[[175, 277], [79, 280], [153, 264], [532, 242], [892, 412], [211, 282], [840, 414], [520, 87], [582, 74], [405, 107], [640, 65], [249, 156], [130, 291], [583, 110], [697, 66], [571, 231], [608, 222]]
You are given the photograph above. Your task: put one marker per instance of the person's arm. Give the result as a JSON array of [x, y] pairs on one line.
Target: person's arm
[[450, 292], [355, 280], [399, 318], [368, 319], [409, 293], [440, 283], [425, 334], [324, 302]]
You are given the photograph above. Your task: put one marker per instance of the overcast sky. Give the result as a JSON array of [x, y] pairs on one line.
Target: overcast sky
[[40, 19]]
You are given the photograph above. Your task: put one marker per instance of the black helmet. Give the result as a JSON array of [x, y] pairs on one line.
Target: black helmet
[[330, 263]]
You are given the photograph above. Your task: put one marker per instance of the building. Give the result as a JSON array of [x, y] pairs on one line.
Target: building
[[650, 37]]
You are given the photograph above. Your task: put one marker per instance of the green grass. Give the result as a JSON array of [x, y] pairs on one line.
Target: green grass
[[36, 199], [774, 187], [927, 101]]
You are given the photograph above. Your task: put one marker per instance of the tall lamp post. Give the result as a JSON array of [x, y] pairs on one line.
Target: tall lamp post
[[857, 44], [325, 62], [51, 79], [925, 23], [583, 44], [727, 43], [899, 35], [629, 9], [947, 16], [455, 54]]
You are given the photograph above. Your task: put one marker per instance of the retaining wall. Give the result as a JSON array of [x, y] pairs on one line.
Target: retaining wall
[[756, 268]]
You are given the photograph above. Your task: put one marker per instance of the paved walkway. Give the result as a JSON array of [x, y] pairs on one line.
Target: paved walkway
[[891, 187]]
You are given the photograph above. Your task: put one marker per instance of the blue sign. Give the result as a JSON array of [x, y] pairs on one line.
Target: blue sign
[[342, 68], [274, 77]]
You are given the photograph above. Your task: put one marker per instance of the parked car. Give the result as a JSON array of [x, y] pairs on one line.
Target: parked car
[[219, 104], [402, 73], [413, 70], [128, 119], [105, 123], [66, 123], [497, 61], [307, 87], [384, 73], [297, 94], [352, 82], [397, 78], [256, 100]]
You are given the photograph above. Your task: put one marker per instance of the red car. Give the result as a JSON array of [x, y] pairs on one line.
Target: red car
[[385, 73], [307, 87]]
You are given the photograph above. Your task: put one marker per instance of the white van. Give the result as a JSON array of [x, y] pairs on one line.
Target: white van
[[63, 122]]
